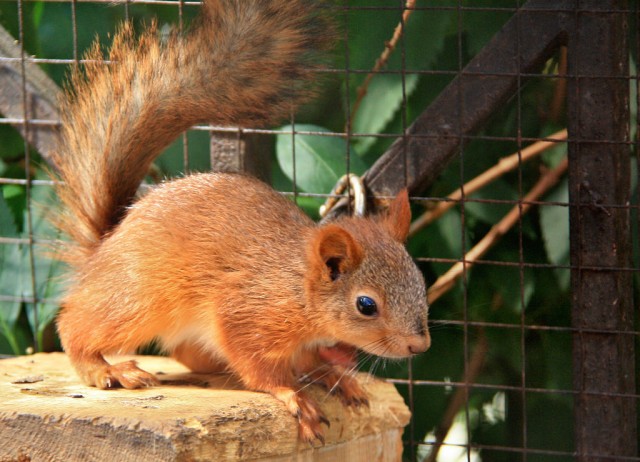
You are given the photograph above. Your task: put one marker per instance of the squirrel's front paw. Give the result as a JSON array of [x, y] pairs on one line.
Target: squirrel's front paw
[[310, 417], [341, 384], [350, 392]]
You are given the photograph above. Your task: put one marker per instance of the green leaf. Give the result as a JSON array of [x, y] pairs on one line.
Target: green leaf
[[319, 160], [441, 239], [38, 11], [370, 29], [12, 143], [7, 223], [490, 212], [555, 154], [15, 197], [13, 279], [383, 99], [46, 271], [9, 278], [171, 161], [554, 220], [515, 292], [480, 26], [48, 277], [310, 205]]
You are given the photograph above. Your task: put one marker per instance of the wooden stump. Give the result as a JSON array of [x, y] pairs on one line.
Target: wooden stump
[[46, 414]]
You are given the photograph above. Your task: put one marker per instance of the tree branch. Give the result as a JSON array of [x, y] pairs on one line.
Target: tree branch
[[503, 166], [447, 280]]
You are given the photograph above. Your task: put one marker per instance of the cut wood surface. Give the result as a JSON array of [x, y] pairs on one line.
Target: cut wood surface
[[46, 414]]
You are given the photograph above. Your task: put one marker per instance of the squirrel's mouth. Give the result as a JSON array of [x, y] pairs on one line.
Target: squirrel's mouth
[[340, 354]]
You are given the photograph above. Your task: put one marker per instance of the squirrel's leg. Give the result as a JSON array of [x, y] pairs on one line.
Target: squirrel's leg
[[84, 347], [276, 378], [300, 405], [198, 360], [338, 380]]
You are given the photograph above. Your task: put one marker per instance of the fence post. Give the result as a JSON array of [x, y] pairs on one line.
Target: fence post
[[599, 191], [233, 152]]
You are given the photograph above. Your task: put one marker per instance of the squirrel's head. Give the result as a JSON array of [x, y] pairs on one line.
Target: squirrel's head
[[363, 286]]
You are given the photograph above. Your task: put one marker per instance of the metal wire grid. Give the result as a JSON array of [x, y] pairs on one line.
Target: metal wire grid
[[464, 322]]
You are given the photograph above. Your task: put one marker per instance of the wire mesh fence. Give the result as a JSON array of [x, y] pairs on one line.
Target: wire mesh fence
[[514, 125]]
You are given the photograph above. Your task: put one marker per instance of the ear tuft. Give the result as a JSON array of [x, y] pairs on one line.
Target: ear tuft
[[398, 218], [335, 251]]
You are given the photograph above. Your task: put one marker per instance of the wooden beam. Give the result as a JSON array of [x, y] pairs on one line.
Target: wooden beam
[[493, 76], [41, 97], [599, 193]]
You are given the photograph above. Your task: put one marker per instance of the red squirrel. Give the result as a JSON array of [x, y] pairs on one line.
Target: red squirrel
[[220, 270]]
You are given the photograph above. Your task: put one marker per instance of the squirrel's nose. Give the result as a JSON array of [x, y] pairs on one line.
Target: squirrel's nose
[[418, 343]]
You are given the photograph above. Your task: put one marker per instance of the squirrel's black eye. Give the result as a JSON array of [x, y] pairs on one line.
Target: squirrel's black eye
[[366, 305]]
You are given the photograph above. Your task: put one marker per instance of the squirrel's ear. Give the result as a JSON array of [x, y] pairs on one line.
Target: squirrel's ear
[[398, 217], [335, 251]]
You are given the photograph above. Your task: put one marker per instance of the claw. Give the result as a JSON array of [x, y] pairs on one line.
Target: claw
[[126, 375], [307, 411], [325, 421]]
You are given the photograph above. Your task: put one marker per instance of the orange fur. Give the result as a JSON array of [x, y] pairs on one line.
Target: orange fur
[[398, 218], [219, 269]]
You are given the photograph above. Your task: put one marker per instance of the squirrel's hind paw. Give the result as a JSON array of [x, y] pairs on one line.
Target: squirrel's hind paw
[[125, 375]]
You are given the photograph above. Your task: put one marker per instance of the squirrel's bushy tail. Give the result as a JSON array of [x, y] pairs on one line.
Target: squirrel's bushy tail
[[242, 62]]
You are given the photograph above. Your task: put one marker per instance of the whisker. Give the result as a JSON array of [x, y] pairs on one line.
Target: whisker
[[374, 344], [443, 324], [375, 364], [315, 380], [308, 374], [335, 385]]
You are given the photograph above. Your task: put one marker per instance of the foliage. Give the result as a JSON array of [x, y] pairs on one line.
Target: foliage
[[506, 297]]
